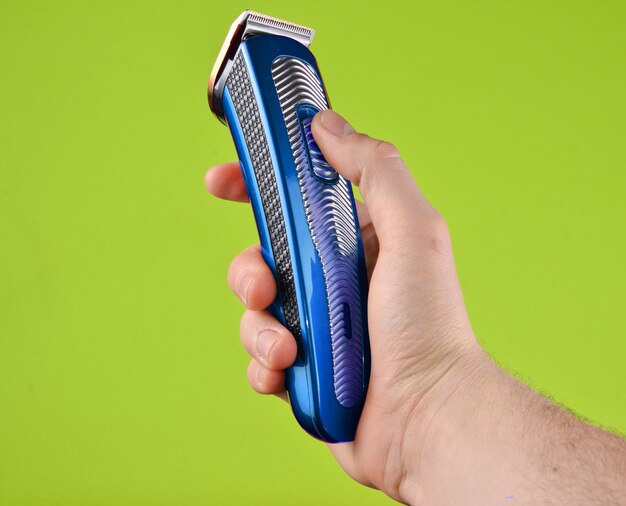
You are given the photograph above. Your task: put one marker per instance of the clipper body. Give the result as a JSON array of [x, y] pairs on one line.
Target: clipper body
[[269, 89]]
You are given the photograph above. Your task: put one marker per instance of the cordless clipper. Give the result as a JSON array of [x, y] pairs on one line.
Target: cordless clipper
[[266, 86]]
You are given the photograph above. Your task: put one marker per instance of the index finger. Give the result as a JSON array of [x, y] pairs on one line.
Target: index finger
[[226, 182]]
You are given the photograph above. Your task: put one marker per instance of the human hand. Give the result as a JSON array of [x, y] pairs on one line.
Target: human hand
[[420, 335], [441, 424]]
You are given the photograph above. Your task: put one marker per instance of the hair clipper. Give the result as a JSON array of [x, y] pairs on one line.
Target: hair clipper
[[266, 87]]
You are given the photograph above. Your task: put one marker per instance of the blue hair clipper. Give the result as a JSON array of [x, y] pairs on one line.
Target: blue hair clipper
[[266, 87]]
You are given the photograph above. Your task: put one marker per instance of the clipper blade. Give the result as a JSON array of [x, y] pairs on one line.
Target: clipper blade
[[258, 23], [249, 24]]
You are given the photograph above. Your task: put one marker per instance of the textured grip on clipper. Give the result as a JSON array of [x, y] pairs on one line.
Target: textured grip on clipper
[[328, 205], [242, 94]]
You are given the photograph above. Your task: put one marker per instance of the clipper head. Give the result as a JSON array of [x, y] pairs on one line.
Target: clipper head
[[247, 25]]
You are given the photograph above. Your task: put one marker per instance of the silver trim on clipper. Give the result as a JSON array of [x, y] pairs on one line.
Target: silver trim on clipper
[[248, 24], [240, 89], [258, 24]]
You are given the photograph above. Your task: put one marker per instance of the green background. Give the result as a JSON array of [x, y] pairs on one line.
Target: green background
[[122, 380]]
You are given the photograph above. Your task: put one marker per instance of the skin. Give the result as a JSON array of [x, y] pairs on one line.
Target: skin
[[442, 423]]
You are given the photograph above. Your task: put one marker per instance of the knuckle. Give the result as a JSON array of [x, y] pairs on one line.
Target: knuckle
[[438, 224], [373, 155], [385, 149], [436, 230], [232, 268], [245, 324], [234, 271], [260, 378], [241, 261], [253, 375]]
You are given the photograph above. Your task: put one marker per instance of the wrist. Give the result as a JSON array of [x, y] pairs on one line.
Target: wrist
[[479, 436], [446, 416]]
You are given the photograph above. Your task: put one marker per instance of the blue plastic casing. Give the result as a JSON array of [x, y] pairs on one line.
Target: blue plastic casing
[[309, 381]]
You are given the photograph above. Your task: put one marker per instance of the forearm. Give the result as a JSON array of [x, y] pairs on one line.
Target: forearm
[[488, 439]]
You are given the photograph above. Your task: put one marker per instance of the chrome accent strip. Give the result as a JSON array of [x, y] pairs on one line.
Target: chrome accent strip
[[242, 94]]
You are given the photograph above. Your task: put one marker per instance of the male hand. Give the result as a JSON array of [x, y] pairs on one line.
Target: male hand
[[442, 424]]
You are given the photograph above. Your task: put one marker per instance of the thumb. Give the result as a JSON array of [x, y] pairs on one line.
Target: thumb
[[395, 204]]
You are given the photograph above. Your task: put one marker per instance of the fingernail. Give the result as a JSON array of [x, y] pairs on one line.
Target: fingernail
[[335, 124], [245, 280], [265, 342]]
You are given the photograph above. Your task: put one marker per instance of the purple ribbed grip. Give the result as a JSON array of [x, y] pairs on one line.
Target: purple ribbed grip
[[327, 201], [329, 211]]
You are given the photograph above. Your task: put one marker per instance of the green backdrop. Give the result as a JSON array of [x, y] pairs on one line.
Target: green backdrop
[[122, 380]]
